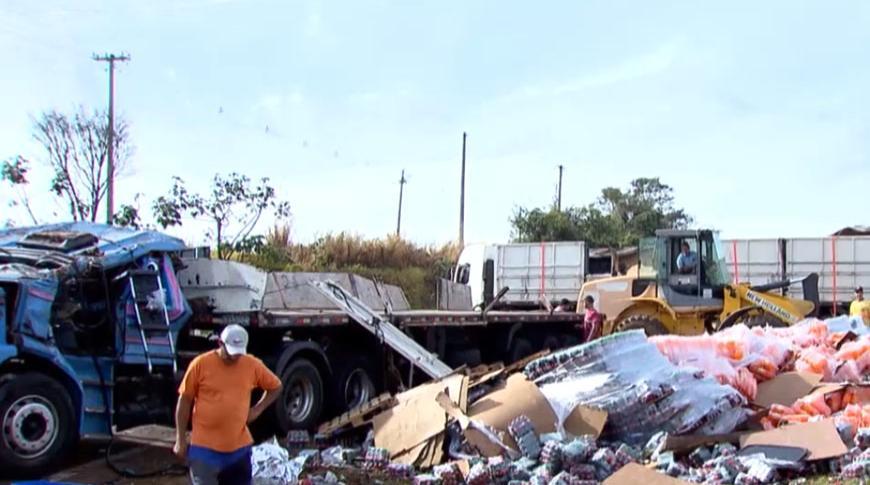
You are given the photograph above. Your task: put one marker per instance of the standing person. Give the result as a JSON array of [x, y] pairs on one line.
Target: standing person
[[564, 306], [592, 320], [858, 303], [217, 387]]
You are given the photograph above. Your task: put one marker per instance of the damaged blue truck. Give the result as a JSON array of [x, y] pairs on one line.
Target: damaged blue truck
[[99, 323]]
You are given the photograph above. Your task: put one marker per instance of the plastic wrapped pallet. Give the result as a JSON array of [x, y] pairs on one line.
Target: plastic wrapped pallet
[[640, 389]]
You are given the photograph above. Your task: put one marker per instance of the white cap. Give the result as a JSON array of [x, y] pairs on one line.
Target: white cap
[[235, 339]]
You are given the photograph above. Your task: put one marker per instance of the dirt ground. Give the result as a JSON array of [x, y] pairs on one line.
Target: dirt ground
[[90, 467]]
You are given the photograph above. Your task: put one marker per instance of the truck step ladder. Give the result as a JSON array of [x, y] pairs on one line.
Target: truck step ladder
[[152, 317], [367, 318]]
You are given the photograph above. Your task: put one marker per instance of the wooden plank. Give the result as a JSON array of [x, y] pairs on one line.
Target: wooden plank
[[518, 365], [358, 416]]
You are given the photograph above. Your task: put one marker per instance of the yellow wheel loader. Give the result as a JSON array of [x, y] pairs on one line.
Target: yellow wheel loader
[[681, 285]]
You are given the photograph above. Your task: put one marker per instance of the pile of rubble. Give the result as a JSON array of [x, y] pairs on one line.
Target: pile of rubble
[[737, 407]]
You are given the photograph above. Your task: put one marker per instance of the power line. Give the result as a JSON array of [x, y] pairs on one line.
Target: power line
[[110, 174]]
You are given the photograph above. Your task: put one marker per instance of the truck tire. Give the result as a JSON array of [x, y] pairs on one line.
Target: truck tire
[[569, 340], [301, 400], [520, 349], [466, 356], [650, 325], [552, 343], [354, 384], [37, 424], [763, 320]]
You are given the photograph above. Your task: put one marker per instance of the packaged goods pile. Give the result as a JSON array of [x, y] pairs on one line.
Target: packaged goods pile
[[641, 391], [742, 406], [742, 357]]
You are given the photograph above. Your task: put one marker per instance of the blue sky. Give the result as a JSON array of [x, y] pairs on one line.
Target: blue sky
[[755, 112]]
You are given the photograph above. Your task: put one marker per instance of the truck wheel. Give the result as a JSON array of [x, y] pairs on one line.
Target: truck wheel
[[355, 384], [37, 423], [650, 325], [466, 356], [764, 320], [301, 400], [569, 340], [520, 349], [552, 343]]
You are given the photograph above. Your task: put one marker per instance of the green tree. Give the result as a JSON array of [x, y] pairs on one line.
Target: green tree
[[618, 218], [234, 207]]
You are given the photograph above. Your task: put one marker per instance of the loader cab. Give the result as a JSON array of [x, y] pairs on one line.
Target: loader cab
[[699, 284]]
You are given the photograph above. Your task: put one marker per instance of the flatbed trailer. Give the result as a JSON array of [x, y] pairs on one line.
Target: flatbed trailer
[[342, 362]]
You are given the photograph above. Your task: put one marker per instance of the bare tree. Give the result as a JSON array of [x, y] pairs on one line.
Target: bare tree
[[76, 150], [234, 207]]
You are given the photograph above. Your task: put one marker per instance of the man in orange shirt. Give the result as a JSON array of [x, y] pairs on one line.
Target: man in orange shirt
[[217, 388]]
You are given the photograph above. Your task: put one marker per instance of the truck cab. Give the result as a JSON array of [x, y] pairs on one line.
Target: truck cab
[[89, 314], [532, 272]]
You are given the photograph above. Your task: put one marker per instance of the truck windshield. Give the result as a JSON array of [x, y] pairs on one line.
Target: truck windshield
[[715, 267]]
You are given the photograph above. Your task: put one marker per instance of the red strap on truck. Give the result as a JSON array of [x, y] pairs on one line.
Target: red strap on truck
[[834, 273], [543, 265], [734, 261]]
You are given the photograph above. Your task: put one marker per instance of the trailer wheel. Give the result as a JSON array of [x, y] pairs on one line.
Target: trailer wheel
[[355, 384], [551, 343], [458, 357], [569, 340], [520, 349], [650, 325], [301, 400], [37, 423]]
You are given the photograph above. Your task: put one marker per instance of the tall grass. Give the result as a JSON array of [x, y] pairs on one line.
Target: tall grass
[[391, 260]]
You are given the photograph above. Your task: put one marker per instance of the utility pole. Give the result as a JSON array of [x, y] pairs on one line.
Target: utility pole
[[559, 197], [402, 183], [462, 196], [110, 138]]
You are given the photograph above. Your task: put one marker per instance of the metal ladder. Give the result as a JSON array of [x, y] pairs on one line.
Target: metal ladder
[[150, 322], [367, 318]]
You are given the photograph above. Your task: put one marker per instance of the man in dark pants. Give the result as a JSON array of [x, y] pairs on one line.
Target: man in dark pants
[[217, 388]]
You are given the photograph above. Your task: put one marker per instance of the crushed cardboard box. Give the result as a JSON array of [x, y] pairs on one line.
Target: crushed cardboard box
[[412, 429], [518, 397], [821, 439], [786, 388]]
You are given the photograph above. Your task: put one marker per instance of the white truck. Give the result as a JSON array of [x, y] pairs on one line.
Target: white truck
[[532, 271], [842, 262]]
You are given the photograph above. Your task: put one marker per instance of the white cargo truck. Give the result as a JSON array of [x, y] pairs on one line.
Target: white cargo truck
[[530, 271], [842, 262]]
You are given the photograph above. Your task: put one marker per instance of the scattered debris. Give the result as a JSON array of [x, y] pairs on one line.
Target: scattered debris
[[736, 407]]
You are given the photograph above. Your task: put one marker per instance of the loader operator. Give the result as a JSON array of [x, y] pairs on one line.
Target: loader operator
[[687, 260], [217, 387]]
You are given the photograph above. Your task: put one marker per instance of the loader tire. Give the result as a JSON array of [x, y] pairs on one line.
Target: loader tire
[[650, 325], [764, 320]]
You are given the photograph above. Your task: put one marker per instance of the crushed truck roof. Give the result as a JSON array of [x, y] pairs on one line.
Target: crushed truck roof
[[53, 246]]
